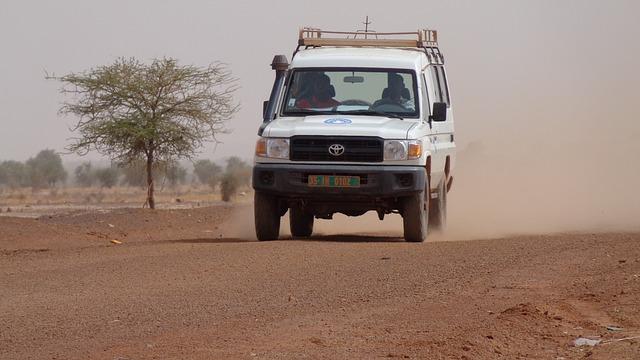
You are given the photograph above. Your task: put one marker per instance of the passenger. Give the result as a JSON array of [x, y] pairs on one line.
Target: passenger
[[302, 86], [322, 93]]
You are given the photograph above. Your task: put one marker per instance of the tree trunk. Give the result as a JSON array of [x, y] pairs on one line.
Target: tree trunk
[[150, 200]]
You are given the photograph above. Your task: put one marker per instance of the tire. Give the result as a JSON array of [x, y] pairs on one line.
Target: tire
[[301, 222], [267, 216], [415, 215], [438, 209]]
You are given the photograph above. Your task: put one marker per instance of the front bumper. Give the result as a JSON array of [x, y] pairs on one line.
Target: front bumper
[[376, 182]]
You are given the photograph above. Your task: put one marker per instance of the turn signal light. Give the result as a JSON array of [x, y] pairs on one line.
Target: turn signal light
[[261, 147], [415, 150]]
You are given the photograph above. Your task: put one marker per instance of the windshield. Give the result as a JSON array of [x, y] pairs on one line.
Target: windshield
[[352, 91]]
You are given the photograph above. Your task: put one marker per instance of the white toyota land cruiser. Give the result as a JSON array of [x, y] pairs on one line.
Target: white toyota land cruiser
[[356, 124]]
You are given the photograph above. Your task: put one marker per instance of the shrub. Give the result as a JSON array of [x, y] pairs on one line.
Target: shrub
[[207, 172], [107, 177], [13, 174], [84, 174]]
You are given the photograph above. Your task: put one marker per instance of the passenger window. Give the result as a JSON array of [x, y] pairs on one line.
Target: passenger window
[[443, 86]]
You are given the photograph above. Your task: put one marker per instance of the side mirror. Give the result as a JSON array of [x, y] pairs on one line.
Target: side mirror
[[265, 105], [439, 112]]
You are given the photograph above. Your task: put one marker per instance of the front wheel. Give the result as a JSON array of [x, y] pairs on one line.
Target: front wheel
[[415, 214], [266, 211]]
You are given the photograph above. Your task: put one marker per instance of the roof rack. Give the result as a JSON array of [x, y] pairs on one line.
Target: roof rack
[[424, 39]]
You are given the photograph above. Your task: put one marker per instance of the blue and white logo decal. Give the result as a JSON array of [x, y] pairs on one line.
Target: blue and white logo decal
[[338, 121]]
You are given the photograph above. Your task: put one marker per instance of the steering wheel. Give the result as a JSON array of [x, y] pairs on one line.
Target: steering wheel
[[387, 105], [355, 102]]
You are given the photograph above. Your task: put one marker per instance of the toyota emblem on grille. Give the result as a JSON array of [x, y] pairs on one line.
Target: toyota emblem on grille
[[336, 149]]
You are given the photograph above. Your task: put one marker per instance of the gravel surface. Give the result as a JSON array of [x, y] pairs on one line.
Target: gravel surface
[[179, 286]]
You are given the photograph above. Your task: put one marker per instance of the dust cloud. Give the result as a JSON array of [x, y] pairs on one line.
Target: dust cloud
[[548, 181], [567, 164], [581, 175], [560, 156]]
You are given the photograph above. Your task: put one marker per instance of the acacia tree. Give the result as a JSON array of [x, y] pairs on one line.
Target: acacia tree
[[45, 169], [154, 112]]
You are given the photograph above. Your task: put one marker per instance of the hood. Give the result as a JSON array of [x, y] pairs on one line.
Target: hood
[[339, 125]]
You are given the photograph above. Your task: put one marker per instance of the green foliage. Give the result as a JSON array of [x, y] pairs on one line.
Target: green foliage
[[84, 174], [45, 169], [87, 176], [13, 174], [158, 112], [108, 176], [175, 174], [207, 172], [135, 173]]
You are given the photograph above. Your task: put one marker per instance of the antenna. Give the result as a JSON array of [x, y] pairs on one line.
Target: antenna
[[366, 31], [366, 26]]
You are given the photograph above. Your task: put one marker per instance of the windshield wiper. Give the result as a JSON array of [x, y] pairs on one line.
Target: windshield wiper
[[308, 112], [372, 112]]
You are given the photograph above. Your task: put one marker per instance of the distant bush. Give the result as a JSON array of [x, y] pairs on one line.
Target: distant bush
[[207, 172], [13, 174], [45, 169], [84, 174], [107, 177], [175, 174], [135, 174]]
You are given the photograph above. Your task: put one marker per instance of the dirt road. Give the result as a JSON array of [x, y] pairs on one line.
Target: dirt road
[[178, 287]]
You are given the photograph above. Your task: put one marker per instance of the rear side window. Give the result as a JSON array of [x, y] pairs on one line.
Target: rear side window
[[425, 95], [444, 89], [436, 88]]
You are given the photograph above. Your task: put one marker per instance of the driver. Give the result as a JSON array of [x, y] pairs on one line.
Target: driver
[[322, 93], [393, 94]]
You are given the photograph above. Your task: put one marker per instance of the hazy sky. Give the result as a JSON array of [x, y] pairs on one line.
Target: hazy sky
[[504, 58]]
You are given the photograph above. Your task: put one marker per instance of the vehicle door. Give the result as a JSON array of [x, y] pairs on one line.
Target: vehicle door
[[442, 136]]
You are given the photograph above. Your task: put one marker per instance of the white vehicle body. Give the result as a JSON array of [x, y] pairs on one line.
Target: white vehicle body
[[430, 86]]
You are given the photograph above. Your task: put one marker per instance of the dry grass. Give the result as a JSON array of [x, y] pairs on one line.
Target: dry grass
[[29, 200]]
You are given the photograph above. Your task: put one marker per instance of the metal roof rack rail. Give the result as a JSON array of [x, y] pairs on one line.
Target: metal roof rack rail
[[424, 39]]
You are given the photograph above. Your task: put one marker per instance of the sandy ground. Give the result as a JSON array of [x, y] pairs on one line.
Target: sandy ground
[[193, 284]]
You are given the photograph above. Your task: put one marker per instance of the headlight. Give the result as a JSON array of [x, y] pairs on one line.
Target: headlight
[[402, 150], [273, 148], [395, 150]]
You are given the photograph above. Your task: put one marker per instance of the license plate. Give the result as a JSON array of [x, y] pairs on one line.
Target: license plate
[[333, 181]]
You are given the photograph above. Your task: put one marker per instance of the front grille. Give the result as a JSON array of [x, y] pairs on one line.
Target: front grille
[[356, 149]]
